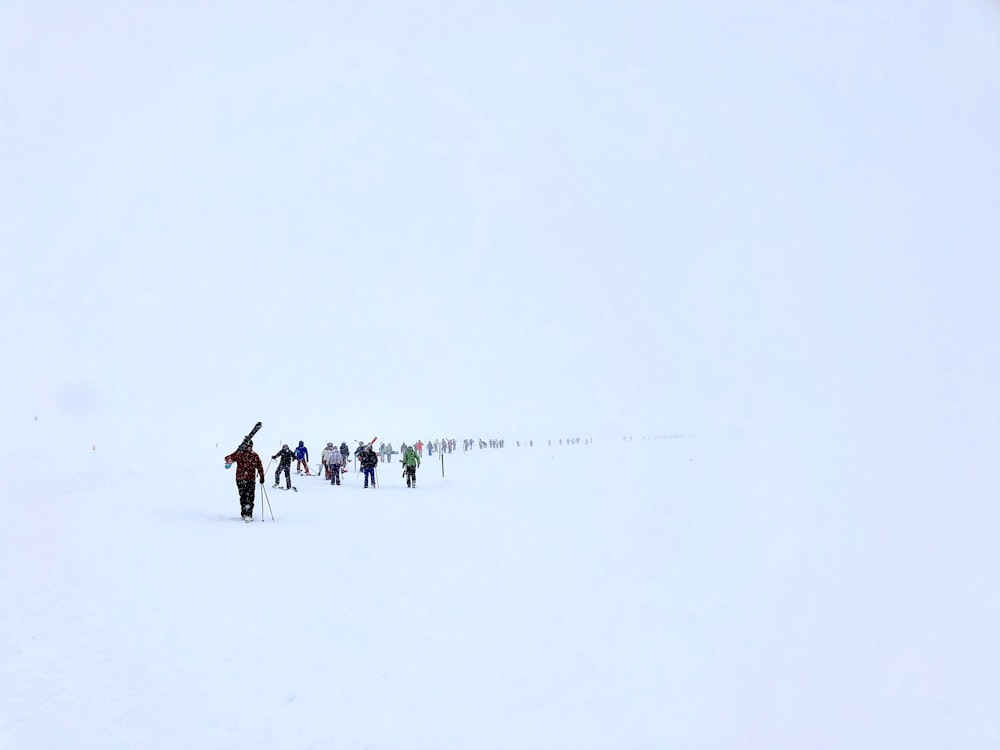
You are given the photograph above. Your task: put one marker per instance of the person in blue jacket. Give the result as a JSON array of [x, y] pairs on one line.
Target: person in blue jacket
[[302, 459]]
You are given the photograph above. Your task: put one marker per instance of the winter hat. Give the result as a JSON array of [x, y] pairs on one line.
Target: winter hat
[[329, 445], [285, 446]]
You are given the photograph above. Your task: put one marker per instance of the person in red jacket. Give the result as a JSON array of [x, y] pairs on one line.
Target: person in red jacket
[[248, 467]]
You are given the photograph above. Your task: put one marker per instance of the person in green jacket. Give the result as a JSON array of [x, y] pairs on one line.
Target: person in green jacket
[[411, 460]]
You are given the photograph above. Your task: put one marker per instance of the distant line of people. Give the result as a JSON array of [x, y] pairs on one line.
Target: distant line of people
[[335, 460]]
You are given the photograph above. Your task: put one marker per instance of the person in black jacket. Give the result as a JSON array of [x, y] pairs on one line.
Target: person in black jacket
[[345, 452], [286, 455], [368, 460]]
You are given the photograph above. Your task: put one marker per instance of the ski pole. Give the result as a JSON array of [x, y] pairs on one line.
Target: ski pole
[[268, 501]]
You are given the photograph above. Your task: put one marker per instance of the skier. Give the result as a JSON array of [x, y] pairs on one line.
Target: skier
[[420, 447], [302, 458], [345, 452], [411, 460], [284, 465], [368, 460], [328, 451], [336, 461], [248, 467]]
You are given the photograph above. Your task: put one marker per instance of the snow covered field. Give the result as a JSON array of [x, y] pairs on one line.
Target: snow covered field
[[769, 227], [696, 592]]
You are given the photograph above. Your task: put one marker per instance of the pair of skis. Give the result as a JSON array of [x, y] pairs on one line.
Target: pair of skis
[[249, 436]]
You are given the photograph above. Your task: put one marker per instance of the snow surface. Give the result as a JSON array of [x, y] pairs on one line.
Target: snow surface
[[692, 591]]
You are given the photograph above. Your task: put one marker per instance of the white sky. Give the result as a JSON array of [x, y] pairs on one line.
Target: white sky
[[500, 218]]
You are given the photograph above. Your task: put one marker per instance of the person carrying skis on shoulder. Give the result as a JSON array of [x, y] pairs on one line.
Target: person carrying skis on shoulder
[[336, 462], [411, 460], [248, 467], [345, 453], [302, 458], [284, 465], [368, 460]]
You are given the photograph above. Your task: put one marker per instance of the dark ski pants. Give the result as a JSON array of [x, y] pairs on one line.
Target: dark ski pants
[[286, 468], [410, 472], [335, 474], [369, 472], [246, 489]]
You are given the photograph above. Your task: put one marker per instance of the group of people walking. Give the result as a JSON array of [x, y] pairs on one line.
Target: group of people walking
[[369, 460], [333, 464]]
